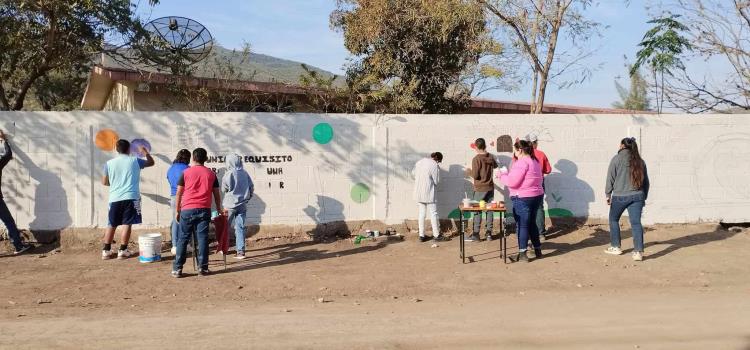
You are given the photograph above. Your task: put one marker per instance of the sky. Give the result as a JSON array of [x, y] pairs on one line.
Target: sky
[[299, 30]]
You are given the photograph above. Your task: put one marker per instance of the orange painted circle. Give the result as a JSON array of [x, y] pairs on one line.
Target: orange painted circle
[[106, 139]]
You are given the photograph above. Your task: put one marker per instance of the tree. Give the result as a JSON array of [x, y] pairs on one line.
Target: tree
[[661, 48], [322, 93], [717, 32], [634, 98], [535, 28], [43, 41], [409, 55]]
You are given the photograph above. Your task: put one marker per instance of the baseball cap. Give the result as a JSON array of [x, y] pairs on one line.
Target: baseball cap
[[531, 137]]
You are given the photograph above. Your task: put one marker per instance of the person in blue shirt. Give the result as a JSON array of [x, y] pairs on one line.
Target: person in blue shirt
[[123, 176], [179, 164]]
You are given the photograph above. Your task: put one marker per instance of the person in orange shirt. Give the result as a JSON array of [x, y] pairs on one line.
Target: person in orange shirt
[[546, 169]]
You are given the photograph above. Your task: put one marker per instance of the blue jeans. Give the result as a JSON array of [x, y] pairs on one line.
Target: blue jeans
[[193, 221], [524, 212], [237, 220], [634, 204], [488, 215], [540, 213], [175, 226], [10, 224]]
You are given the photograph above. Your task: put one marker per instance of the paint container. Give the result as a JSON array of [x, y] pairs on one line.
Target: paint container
[[149, 247]]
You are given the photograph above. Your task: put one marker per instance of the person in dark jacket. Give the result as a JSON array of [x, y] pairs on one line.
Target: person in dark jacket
[[482, 167], [5, 215], [627, 188]]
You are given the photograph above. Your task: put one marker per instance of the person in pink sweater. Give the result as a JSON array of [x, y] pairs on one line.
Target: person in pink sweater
[[524, 181]]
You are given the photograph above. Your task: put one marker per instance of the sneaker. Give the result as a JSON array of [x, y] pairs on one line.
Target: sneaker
[[177, 274], [488, 236], [538, 253], [613, 250], [439, 239], [637, 256], [521, 257], [204, 272], [422, 239], [472, 238], [24, 248], [543, 236], [123, 254], [240, 256], [108, 254], [173, 250]]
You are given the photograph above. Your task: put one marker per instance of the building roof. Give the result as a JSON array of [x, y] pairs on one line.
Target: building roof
[[479, 105], [102, 79]]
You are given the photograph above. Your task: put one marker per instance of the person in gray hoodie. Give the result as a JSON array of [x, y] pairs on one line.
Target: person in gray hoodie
[[626, 189], [238, 189]]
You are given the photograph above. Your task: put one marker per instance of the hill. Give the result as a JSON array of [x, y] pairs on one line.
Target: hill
[[255, 67]]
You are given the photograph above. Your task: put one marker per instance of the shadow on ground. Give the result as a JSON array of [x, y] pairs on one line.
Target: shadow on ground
[[600, 238], [292, 253]]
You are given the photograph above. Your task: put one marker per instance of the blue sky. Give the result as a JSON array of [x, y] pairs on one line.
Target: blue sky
[[299, 30]]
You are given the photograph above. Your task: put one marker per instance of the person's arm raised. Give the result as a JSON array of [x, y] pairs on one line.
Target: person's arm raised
[[149, 159], [8, 155]]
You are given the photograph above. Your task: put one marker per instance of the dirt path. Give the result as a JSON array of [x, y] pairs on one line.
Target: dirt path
[[692, 292]]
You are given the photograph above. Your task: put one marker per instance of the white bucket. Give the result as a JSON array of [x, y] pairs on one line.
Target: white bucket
[[149, 247]]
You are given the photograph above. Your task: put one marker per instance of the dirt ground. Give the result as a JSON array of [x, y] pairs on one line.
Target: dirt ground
[[691, 292]]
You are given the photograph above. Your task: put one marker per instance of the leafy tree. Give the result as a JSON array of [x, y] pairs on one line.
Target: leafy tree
[[409, 55], [717, 32], [535, 27], [634, 98], [661, 48], [322, 93], [45, 44]]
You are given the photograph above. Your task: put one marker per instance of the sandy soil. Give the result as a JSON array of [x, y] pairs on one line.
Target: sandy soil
[[691, 292]]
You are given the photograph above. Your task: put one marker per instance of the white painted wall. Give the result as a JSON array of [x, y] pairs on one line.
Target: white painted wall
[[698, 164]]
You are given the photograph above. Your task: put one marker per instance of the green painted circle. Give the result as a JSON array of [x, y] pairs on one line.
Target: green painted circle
[[323, 133], [360, 193], [559, 213]]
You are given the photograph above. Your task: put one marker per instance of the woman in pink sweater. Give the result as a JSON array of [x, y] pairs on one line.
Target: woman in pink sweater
[[525, 184]]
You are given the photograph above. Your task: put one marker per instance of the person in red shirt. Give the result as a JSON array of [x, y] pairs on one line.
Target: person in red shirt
[[193, 210], [546, 169]]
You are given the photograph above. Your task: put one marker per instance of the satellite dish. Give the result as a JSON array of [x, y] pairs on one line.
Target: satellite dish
[[178, 39]]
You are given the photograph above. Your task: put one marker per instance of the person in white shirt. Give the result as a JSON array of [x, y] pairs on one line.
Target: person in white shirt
[[426, 177]]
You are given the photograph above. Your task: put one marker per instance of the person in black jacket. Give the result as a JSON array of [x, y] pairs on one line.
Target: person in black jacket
[[5, 215]]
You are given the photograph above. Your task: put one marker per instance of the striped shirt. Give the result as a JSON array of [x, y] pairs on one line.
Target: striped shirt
[[426, 177]]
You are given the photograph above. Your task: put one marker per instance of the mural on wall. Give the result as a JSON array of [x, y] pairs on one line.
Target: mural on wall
[[106, 139], [718, 162], [505, 144], [322, 133], [136, 144], [360, 193]]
